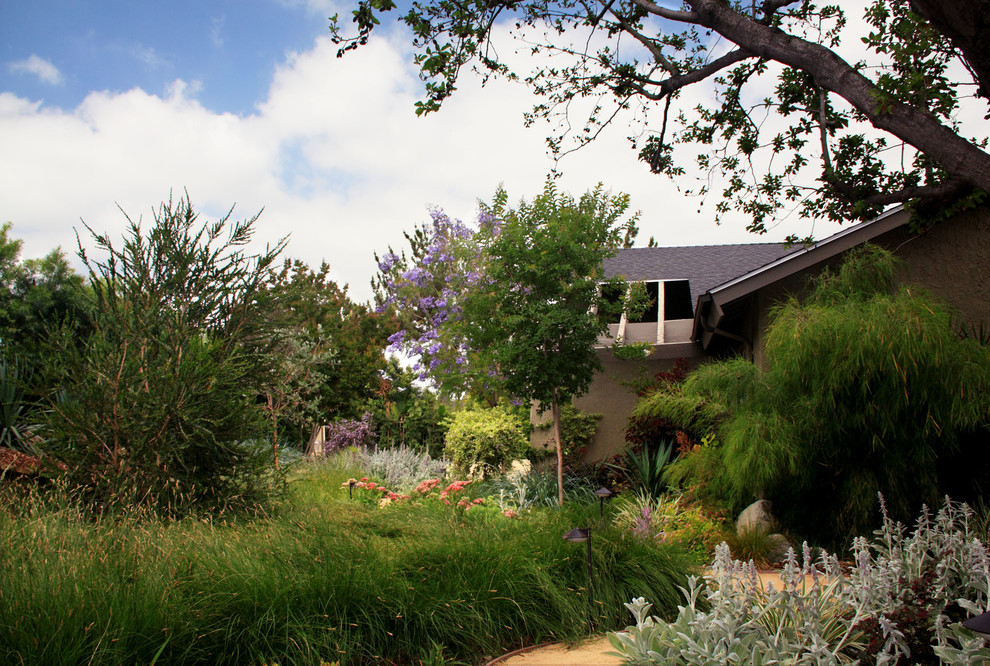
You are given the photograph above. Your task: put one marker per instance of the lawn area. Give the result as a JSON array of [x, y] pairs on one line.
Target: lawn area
[[320, 579]]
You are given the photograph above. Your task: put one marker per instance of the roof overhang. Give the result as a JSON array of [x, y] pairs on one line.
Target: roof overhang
[[710, 309]]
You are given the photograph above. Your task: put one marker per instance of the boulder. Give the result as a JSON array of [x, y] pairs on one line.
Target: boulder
[[778, 553], [756, 516]]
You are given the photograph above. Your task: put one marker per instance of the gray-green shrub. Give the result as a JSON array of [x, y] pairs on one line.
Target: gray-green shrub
[[901, 602], [401, 468]]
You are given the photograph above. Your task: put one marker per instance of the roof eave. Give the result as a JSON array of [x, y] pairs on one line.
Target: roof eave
[[708, 317]]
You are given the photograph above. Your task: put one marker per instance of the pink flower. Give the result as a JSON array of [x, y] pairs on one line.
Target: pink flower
[[479, 500], [509, 513], [364, 478]]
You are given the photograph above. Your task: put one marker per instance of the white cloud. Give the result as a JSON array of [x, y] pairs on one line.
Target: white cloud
[[334, 154], [43, 69]]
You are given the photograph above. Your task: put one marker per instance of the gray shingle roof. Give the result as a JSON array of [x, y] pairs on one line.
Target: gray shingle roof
[[705, 266]]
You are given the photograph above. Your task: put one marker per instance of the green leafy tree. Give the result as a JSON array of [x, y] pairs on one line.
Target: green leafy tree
[[783, 96], [406, 413], [36, 295], [331, 347], [158, 405], [537, 313], [867, 389]]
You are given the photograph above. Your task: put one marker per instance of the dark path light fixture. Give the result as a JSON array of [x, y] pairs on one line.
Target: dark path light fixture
[[350, 489], [979, 625], [603, 494], [583, 535]]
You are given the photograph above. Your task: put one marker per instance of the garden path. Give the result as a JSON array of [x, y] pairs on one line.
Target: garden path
[[592, 651]]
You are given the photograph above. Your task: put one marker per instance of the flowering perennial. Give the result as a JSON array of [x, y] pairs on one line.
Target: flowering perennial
[[428, 297]]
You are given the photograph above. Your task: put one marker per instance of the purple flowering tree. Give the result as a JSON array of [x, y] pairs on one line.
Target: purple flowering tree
[[510, 309], [425, 290]]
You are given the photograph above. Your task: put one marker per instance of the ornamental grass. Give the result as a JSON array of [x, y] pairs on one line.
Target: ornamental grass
[[321, 579]]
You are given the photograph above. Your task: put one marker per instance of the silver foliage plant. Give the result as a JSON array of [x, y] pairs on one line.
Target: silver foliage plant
[[827, 620], [401, 468]]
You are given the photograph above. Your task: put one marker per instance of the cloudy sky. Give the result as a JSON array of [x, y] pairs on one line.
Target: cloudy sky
[[119, 103]]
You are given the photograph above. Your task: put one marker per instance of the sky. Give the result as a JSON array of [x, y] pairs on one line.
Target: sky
[[111, 107]]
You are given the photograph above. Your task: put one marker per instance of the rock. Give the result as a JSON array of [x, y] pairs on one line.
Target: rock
[[756, 516], [778, 553], [519, 468]]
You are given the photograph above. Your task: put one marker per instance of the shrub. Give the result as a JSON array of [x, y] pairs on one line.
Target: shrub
[[645, 469], [159, 401], [401, 468], [903, 599], [347, 433], [485, 439], [669, 519], [867, 389]]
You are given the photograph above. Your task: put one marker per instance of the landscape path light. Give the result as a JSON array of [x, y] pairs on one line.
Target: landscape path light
[[980, 625], [350, 489], [603, 494], [583, 535]]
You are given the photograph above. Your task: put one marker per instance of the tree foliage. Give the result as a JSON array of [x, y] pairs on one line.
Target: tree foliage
[[36, 295], [510, 309], [882, 130], [330, 348], [426, 290], [867, 389], [538, 316], [157, 405]]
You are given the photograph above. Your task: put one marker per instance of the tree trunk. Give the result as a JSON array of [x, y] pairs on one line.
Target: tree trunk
[[966, 23], [914, 126], [555, 409]]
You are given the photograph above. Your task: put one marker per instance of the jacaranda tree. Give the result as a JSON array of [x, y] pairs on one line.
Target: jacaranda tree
[[426, 291]]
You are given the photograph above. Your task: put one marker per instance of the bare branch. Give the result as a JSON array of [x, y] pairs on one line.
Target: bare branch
[[663, 12], [948, 188], [675, 83], [650, 44], [826, 157], [770, 8]]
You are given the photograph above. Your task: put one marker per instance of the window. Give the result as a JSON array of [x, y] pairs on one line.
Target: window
[[677, 300]]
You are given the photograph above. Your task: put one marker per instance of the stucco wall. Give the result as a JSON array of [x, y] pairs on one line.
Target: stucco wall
[[952, 261], [612, 395]]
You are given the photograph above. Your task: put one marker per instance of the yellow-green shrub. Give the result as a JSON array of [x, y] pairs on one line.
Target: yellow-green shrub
[[484, 438]]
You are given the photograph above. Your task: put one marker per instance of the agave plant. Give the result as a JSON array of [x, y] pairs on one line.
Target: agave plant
[[645, 469], [12, 404]]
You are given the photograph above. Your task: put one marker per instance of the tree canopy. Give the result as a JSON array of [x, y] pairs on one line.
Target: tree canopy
[[510, 310], [787, 121]]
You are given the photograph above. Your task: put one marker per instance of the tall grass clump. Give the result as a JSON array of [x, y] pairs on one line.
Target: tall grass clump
[[322, 579]]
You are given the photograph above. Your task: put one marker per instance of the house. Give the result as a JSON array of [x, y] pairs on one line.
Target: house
[[713, 301]]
